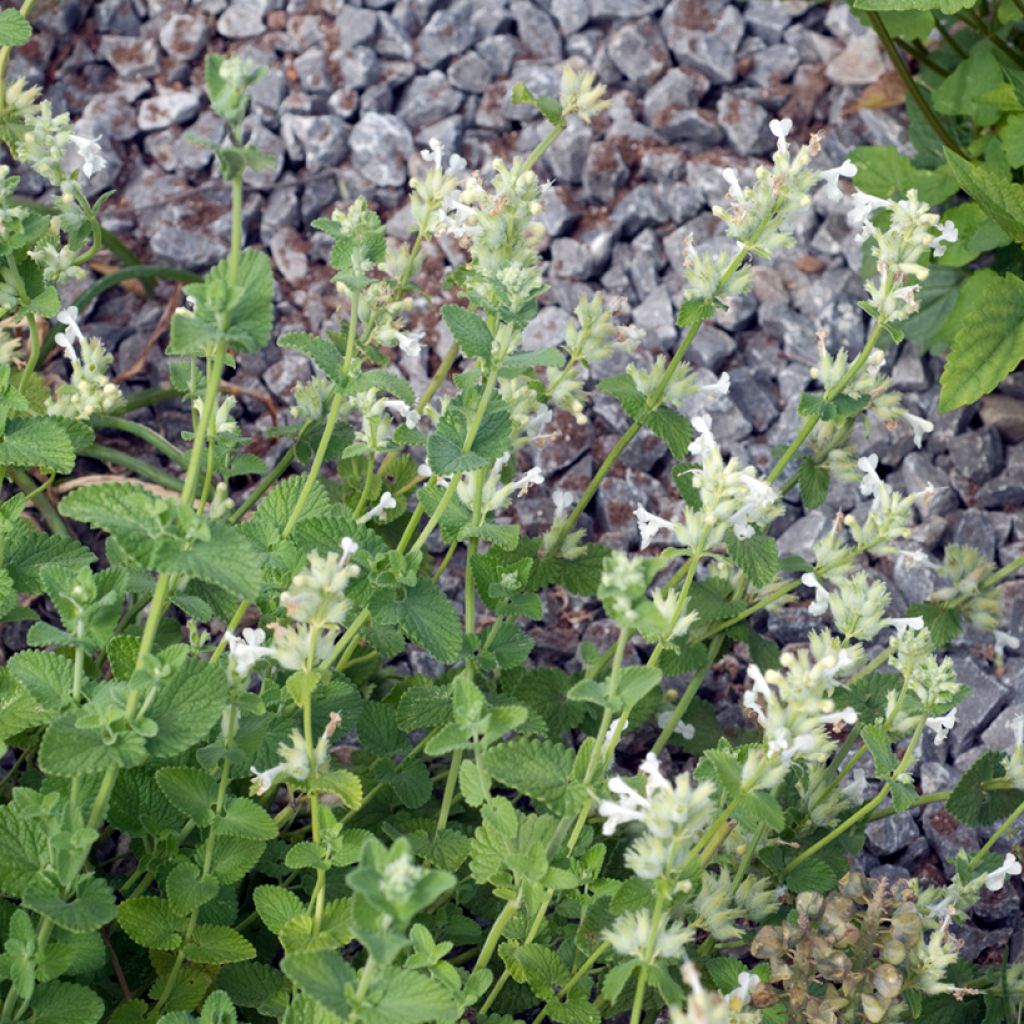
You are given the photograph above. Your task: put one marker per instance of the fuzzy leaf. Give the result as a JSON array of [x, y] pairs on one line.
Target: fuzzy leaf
[[757, 556], [989, 342], [191, 791], [60, 1002], [151, 923], [1000, 198], [91, 908], [15, 29], [471, 333], [974, 805], [429, 619], [218, 944], [539, 769], [39, 441], [813, 481], [186, 891], [246, 819], [276, 906]]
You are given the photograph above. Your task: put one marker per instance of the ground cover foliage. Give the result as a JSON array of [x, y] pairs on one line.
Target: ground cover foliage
[[223, 800]]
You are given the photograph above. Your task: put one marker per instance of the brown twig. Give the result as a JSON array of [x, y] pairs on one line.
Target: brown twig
[[121, 980]]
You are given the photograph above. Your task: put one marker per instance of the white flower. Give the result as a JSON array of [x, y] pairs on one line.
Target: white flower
[[264, 780], [914, 622], [650, 525], [781, 130], [860, 214], [919, 425], [856, 787], [348, 547], [435, 154], [683, 729], [704, 443], [735, 189], [947, 233], [66, 339], [941, 726], [820, 603], [386, 503], [247, 649], [1017, 728], [1003, 640], [562, 500], [717, 390], [847, 169], [740, 995], [631, 806], [995, 880], [871, 485], [90, 156]]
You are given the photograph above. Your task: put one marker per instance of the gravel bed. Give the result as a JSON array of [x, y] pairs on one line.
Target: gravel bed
[[356, 90]]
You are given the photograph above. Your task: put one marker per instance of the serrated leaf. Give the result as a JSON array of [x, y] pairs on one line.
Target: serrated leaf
[[218, 944], [323, 975], [151, 923], [276, 906], [40, 441], [813, 875], [61, 1002], [242, 317], [423, 707], [946, 6], [470, 332], [813, 482], [989, 342], [539, 769], [757, 556], [246, 819], [976, 806], [429, 619], [191, 791], [186, 891], [944, 623], [877, 741], [1001, 199], [449, 450], [92, 906], [15, 29], [694, 312], [756, 809], [323, 352]]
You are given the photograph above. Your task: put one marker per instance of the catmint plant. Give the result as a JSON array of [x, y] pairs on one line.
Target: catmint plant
[[280, 748]]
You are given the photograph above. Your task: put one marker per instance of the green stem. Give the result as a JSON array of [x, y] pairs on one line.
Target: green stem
[[949, 37], [865, 810], [144, 433], [907, 77], [494, 935], [318, 460], [998, 834], [268, 479], [979, 25], [104, 453], [580, 974], [40, 501], [449, 792]]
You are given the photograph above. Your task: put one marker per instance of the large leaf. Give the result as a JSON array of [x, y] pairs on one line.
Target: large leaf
[[1000, 198], [945, 6], [40, 441], [974, 805], [885, 172], [14, 28], [429, 619], [989, 342]]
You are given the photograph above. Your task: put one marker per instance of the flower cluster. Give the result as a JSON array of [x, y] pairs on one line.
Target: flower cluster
[[297, 764], [731, 497], [90, 390]]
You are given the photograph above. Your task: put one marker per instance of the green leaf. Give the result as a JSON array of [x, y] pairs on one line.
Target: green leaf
[[92, 906], [961, 92], [470, 332], [945, 6], [409, 997], [1001, 199], [672, 428], [885, 172], [151, 923], [813, 482], [241, 316], [276, 906], [218, 1010], [974, 805], [186, 891], [191, 791], [445, 447], [547, 105], [323, 975], [218, 944], [186, 707], [757, 556], [39, 441], [695, 311], [429, 619], [60, 1002], [877, 741], [989, 342], [15, 29], [813, 875], [539, 769], [756, 809], [246, 819], [944, 623]]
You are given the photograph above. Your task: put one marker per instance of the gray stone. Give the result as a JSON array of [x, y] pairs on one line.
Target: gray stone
[[669, 104], [499, 51], [428, 98], [314, 74], [999, 736], [604, 9], [319, 139], [242, 20], [975, 941], [541, 78], [1005, 491], [130, 56], [268, 94], [448, 33], [1006, 414], [638, 50], [973, 528], [947, 835], [978, 454], [392, 40], [768, 19], [998, 905], [640, 208], [571, 15], [288, 250], [791, 624], [286, 372], [772, 65], [915, 580], [470, 72], [753, 397], [656, 316], [860, 63], [381, 146], [356, 26], [711, 348], [682, 202], [183, 36], [189, 248], [546, 329], [891, 834], [360, 67], [937, 777], [116, 16], [795, 332], [604, 172], [910, 372], [568, 154], [537, 30], [979, 707], [167, 108], [745, 124], [704, 34], [115, 111], [800, 538], [557, 218], [270, 143], [281, 210], [580, 261]]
